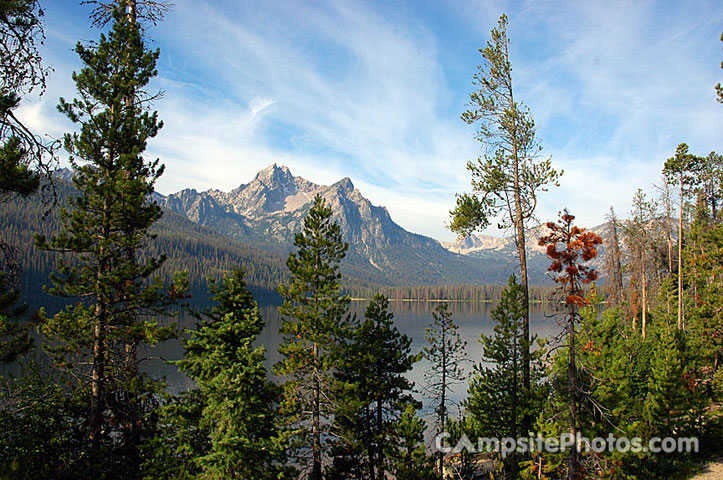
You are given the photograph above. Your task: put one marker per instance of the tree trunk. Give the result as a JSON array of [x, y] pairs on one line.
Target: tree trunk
[[617, 272], [680, 256], [574, 462], [97, 382], [668, 227], [130, 354], [378, 445], [522, 253], [131, 410], [443, 398], [644, 282], [97, 379], [515, 380], [316, 421]]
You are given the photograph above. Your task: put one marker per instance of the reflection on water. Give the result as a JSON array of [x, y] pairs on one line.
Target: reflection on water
[[411, 318]]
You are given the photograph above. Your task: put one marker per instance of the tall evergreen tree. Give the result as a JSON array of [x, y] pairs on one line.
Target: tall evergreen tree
[[110, 217], [682, 170], [238, 401], [314, 316], [373, 392], [711, 184], [703, 258], [667, 391], [445, 352], [495, 402], [508, 179]]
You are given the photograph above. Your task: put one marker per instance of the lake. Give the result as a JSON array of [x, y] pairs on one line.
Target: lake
[[411, 318]]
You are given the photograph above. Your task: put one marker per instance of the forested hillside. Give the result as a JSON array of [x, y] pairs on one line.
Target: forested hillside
[[186, 245], [204, 252]]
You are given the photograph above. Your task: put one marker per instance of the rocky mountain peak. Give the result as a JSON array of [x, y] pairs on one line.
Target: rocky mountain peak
[[64, 173], [274, 176], [344, 186]]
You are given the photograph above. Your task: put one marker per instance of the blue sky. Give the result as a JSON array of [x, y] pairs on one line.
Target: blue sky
[[374, 91]]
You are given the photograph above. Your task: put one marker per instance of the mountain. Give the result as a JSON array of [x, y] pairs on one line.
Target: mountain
[[270, 209], [487, 247], [254, 224], [200, 251]]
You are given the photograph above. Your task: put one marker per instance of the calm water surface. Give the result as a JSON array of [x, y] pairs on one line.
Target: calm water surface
[[411, 318]]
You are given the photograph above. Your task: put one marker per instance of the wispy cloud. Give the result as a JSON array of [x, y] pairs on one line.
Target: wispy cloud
[[374, 91]]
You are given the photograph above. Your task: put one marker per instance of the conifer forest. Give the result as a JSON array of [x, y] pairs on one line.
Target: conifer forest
[[99, 268]]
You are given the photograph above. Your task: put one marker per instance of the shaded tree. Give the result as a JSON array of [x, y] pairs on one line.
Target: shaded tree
[[238, 401], [407, 456], [373, 392], [40, 429], [445, 352], [180, 438], [313, 324], [14, 336], [108, 220], [495, 402]]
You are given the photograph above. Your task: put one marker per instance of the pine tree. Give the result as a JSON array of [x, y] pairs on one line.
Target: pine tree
[[408, 458], [39, 434], [445, 352], [313, 324], [570, 247], [666, 390], [495, 402], [508, 180], [703, 258], [711, 184], [179, 440], [682, 170], [373, 392], [14, 336], [238, 401], [110, 217], [24, 156]]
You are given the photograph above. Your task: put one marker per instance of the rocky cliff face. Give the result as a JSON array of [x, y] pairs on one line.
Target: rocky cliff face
[[270, 209], [193, 205], [273, 190]]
